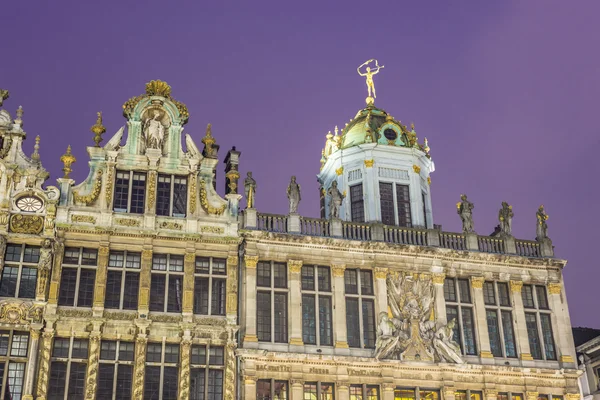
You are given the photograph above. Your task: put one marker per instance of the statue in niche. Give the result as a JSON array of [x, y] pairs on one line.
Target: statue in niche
[[293, 194], [505, 217], [44, 266], [335, 200], [250, 190], [409, 331], [465, 210], [154, 130], [541, 230]]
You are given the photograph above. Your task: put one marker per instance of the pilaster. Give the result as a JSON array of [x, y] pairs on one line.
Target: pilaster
[[295, 309], [189, 265], [520, 324], [59, 253], [343, 392], [250, 388], [336, 227], [32, 357], [531, 395], [388, 391], [139, 366], [91, 384], [44, 369], [561, 325], [341, 333], [485, 350], [144, 293], [490, 394], [449, 392], [297, 389], [250, 270], [230, 370], [184, 366], [232, 289], [440, 302], [381, 289], [100, 286]]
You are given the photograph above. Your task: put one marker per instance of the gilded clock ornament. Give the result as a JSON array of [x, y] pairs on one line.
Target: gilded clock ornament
[[29, 204]]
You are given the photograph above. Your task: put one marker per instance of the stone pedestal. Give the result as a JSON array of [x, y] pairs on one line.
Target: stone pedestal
[[433, 237], [250, 218], [546, 248], [293, 223], [509, 245], [471, 241], [336, 227], [377, 232]]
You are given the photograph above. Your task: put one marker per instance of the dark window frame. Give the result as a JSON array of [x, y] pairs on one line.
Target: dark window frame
[[460, 299], [172, 190], [19, 284], [357, 203], [130, 197], [321, 296], [84, 270], [274, 297], [360, 327]]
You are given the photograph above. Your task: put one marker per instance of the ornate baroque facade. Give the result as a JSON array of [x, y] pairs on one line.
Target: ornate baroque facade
[[141, 282]]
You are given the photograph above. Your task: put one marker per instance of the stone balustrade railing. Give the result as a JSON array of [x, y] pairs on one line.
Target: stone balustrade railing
[[295, 224]]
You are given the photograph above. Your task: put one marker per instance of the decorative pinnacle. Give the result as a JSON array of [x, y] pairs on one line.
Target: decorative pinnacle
[[209, 141], [36, 148], [67, 159], [19, 120], [98, 129], [3, 96]]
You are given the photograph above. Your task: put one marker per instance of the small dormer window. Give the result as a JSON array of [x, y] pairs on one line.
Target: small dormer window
[[29, 204], [130, 192]]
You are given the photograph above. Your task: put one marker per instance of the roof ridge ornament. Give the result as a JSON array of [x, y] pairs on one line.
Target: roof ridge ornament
[[98, 129], [369, 77]]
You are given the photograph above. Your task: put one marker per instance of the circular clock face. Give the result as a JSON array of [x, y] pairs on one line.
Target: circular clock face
[[390, 134], [29, 204]]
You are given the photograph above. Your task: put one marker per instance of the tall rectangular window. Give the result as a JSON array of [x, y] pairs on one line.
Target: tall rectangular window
[[270, 389], [67, 369], [316, 306], [115, 372], [357, 203], [19, 275], [171, 195], [271, 302], [161, 380], [78, 277], [14, 346], [424, 200], [539, 323], [403, 203], [360, 308], [130, 192], [457, 293], [209, 286], [499, 319], [386, 202], [319, 390], [166, 283], [206, 374], [122, 280]]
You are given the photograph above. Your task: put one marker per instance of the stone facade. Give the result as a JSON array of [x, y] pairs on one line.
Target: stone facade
[[142, 282], [590, 367]]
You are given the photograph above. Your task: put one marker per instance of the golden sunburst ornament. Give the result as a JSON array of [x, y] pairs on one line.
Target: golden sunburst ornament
[[158, 88]]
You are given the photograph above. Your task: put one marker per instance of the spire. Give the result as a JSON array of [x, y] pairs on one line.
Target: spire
[[209, 143], [36, 155], [67, 159], [98, 129]]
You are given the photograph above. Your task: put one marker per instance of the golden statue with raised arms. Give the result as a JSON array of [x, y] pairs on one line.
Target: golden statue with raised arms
[[369, 74]]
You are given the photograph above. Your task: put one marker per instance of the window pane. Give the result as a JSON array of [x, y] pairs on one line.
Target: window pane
[[76, 381], [215, 384], [13, 252], [4, 336], [325, 322], [503, 294], [216, 355], [180, 197], [71, 255], [121, 191], [327, 391], [279, 275], [132, 285], [494, 332], [175, 293], [541, 297], [263, 274], [14, 384], [108, 350], [154, 352], [547, 335], [85, 297], [89, 257], [163, 195], [126, 351], [357, 207], [198, 354], [324, 279], [157, 292], [489, 297], [8, 285], [352, 322], [19, 345], [138, 193], [112, 297], [28, 282], [159, 262], [116, 259], [68, 280], [308, 278], [152, 383], [61, 348], [309, 324], [31, 254], [171, 353], [351, 281], [280, 317], [201, 296], [106, 373], [263, 317], [372, 392], [464, 289], [366, 282], [527, 293], [80, 349], [449, 289], [263, 389], [429, 395], [403, 198], [176, 263], [219, 266], [404, 394], [534, 337], [124, 382], [133, 260], [468, 330], [56, 383], [310, 390], [218, 297], [197, 378], [509, 334], [386, 203], [368, 310], [202, 265]]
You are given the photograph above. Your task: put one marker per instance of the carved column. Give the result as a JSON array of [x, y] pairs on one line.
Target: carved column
[[339, 305], [295, 267], [343, 392], [139, 367], [561, 323], [250, 334], [91, 384], [189, 266], [31, 362], [381, 289], [101, 271], [230, 371], [184, 369], [44, 369], [144, 293], [440, 302], [388, 391], [520, 324], [250, 388], [59, 252], [480, 317], [232, 289]]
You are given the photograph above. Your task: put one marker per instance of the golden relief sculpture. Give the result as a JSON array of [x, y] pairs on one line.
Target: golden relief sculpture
[[230, 371], [44, 368], [20, 312], [338, 270], [67, 159], [127, 222], [516, 286], [381, 273], [92, 367], [251, 261], [156, 88], [88, 219], [139, 367], [204, 202], [232, 285], [369, 163], [26, 223], [554, 288], [151, 190], [477, 282], [438, 278], [417, 169], [90, 198], [109, 187]]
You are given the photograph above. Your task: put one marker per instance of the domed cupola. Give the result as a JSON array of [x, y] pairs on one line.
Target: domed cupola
[[381, 169]]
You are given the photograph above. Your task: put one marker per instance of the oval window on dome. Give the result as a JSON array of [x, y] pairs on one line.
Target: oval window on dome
[[390, 134], [29, 204]]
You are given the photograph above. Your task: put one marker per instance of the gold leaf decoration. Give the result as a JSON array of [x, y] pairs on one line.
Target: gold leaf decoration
[[204, 201], [90, 198]]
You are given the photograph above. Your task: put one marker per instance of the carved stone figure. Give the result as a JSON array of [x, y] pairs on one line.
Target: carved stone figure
[[505, 217], [293, 194], [154, 131], [335, 200], [44, 266], [541, 230], [465, 210], [250, 190], [447, 349]]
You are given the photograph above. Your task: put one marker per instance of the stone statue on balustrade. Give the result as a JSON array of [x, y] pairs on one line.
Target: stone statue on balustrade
[[408, 330], [293, 194], [335, 200], [541, 230], [250, 190], [465, 210], [505, 217]]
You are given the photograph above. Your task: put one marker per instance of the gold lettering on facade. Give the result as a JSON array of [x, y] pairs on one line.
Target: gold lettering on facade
[[273, 368], [319, 371], [363, 372]]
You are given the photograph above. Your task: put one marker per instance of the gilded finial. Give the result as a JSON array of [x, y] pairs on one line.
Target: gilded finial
[[3, 96], [36, 148], [98, 129], [67, 159], [19, 120], [209, 141], [158, 88], [426, 146]]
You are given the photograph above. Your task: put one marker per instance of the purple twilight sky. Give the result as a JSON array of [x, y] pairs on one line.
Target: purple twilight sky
[[505, 91]]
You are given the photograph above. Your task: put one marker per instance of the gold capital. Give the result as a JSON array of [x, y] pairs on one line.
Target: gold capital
[[295, 266], [526, 357], [338, 269], [438, 278], [296, 342], [554, 288], [189, 257], [369, 163], [103, 250], [417, 169], [381, 273], [567, 359], [515, 287], [486, 354], [339, 171], [147, 254], [232, 261], [477, 282], [251, 261], [341, 345]]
